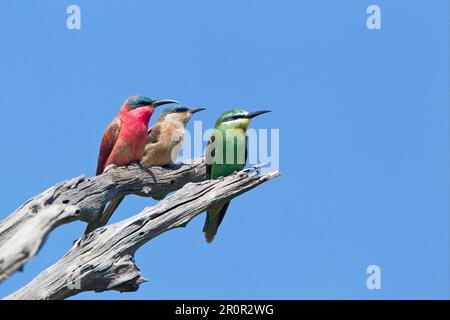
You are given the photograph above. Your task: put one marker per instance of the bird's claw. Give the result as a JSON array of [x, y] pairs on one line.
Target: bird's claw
[[110, 167]]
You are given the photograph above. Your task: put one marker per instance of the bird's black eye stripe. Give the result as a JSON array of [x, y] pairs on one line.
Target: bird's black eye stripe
[[235, 117]]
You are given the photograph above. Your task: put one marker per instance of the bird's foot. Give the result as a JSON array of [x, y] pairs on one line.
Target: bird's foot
[[110, 167], [138, 163], [158, 196]]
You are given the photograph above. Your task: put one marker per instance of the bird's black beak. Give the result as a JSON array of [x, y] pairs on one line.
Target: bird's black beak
[[157, 103], [195, 110], [256, 113]]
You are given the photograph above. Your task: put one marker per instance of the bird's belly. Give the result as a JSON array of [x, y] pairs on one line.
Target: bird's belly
[[128, 148], [161, 154]]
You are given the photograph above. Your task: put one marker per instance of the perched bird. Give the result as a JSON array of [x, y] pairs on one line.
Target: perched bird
[[124, 140], [226, 153], [166, 136]]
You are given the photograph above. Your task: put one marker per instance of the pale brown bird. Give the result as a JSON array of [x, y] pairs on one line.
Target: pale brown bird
[[166, 136]]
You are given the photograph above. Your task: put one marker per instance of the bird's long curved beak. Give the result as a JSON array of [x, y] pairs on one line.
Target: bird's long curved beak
[[161, 102], [195, 110], [256, 113]]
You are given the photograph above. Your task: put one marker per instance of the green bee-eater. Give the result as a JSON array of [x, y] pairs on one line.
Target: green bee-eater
[[226, 153]]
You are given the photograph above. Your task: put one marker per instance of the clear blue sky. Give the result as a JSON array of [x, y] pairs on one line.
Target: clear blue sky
[[364, 127]]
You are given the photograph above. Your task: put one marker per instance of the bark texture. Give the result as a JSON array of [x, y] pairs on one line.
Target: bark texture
[[24, 231], [103, 260]]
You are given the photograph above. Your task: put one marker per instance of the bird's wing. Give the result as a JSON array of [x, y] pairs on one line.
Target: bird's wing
[[109, 139], [154, 133], [209, 155]]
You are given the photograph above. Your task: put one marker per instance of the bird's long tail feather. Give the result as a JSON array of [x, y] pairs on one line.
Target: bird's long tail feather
[[105, 216], [214, 217]]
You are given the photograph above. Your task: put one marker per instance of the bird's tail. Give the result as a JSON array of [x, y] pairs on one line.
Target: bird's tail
[[214, 217], [105, 216]]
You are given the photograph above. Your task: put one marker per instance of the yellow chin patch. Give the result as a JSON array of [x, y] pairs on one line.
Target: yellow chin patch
[[237, 124], [244, 123]]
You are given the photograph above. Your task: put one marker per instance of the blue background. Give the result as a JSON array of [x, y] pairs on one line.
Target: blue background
[[364, 128]]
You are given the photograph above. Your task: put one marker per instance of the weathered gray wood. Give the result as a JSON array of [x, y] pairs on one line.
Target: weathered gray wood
[[103, 259], [24, 231]]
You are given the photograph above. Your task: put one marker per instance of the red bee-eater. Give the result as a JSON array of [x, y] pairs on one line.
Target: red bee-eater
[[124, 141]]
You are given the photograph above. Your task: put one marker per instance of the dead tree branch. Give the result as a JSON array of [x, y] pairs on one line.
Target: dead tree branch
[[103, 260], [24, 231]]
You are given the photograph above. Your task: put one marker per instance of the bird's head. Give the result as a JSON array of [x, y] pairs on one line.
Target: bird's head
[[178, 113], [136, 102], [237, 118]]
